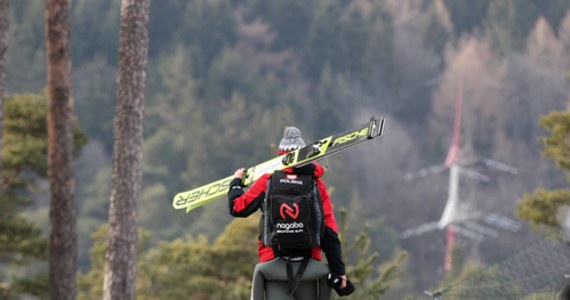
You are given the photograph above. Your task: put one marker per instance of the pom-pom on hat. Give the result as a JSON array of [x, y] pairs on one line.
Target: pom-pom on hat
[[291, 140]]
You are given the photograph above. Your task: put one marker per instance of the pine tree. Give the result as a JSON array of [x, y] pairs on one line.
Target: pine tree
[[547, 207], [22, 243], [370, 282], [185, 268]]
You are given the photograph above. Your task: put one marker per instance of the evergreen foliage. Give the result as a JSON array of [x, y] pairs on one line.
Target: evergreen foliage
[[476, 283], [467, 15], [23, 246], [546, 207], [185, 267], [190, 267], [95, 102], [224, 77], [99, 21], [372, 281], [557, 145]]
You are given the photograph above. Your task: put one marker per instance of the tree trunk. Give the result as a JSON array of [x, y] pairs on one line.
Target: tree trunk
[[120, 265], [63, 239], [4, 23]]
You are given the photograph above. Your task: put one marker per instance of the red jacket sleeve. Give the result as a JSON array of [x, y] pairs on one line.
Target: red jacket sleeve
[[244, 203], [330, 220]]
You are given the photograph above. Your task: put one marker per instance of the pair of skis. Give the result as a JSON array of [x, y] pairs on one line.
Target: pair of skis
[[199, 196]]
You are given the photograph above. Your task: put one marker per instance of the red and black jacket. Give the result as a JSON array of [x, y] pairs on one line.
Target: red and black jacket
[[244, 203]]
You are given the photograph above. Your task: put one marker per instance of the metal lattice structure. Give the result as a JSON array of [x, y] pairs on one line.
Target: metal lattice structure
[[536, 271], [461, 216]]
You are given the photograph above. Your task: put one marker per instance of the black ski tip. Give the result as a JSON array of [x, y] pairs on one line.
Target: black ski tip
[[288, 159]]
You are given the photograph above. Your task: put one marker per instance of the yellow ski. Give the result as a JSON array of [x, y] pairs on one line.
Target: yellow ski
[[199, 196]]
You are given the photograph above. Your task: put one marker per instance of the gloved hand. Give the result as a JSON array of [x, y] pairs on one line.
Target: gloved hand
[[335, 282]]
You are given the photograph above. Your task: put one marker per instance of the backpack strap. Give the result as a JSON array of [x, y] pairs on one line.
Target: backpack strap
[[294, 281]]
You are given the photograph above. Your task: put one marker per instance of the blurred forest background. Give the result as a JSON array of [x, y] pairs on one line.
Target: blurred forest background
[[226, 76]]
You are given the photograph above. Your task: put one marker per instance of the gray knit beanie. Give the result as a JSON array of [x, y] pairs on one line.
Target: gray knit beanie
[[291, 140]]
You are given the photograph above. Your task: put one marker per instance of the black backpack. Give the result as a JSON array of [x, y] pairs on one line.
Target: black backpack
[[292, 213], [292, 220]]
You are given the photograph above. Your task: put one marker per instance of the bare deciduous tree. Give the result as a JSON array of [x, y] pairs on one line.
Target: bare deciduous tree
[[120, 265], [544, 48], [63, 239], [564, 31], [474, 74]]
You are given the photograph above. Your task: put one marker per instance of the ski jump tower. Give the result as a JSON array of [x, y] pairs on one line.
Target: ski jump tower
[[457, 166]]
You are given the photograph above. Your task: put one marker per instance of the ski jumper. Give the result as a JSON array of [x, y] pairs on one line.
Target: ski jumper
[[244, 203]]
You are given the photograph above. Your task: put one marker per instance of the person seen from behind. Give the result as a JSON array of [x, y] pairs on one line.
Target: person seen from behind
[[245, 201]]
